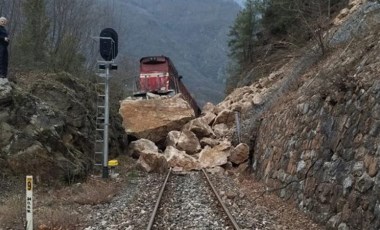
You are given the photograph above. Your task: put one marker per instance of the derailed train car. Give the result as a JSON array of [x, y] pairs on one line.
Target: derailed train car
[[159, 76]]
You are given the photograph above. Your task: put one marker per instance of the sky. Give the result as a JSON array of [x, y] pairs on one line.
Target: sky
[[240, 2]]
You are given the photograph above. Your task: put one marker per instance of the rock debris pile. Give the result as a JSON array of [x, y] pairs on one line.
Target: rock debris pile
[[202, 142]]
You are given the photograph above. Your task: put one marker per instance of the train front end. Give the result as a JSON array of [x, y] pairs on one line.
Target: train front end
[[154, 76]]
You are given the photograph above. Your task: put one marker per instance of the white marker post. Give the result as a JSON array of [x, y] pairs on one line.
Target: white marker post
[[29, 202]]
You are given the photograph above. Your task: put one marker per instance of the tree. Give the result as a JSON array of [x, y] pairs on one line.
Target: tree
[[55, 34], [72, 22], [242, 36], [32, 43], [298, 21], [67, 56], [243, 41]]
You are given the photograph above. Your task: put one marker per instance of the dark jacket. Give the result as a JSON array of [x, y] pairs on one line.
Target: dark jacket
[[3, 34]]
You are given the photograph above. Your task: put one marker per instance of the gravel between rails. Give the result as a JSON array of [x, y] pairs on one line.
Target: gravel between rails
[[131, 209], [189, 203]]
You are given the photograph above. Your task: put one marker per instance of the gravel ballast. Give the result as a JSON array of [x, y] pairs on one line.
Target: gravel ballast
[[190, 194]]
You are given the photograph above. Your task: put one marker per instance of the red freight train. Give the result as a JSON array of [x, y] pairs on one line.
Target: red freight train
[[159, 76]]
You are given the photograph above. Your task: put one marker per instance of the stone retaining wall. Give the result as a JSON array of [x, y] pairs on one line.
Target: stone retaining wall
[[320, 144]]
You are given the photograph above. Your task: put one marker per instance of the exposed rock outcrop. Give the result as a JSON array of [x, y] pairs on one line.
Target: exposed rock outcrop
[[46, 126], [5, 91]]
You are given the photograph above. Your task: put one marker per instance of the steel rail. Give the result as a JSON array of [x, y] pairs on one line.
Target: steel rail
[[234, 223], [151, 221]]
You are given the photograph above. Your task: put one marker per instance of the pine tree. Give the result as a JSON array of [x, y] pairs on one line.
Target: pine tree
[[242, 33], [243, 40]]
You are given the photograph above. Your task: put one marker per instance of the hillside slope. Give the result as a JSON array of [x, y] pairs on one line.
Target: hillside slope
[[314, 125]]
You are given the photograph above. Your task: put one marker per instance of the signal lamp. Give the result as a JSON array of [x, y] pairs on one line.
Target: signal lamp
[[113, 67]]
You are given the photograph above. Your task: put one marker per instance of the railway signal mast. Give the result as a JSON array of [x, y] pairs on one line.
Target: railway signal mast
[[108, 49]]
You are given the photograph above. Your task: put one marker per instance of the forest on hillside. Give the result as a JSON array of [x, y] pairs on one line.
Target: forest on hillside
[[266, 31]]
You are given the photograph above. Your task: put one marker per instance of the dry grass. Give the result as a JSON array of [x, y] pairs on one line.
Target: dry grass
[[95, 191], [61, 209], [62, 218], [12, 212], [55, 209]]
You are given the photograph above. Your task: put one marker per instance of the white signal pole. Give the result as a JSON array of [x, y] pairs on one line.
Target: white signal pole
[[106, 122]]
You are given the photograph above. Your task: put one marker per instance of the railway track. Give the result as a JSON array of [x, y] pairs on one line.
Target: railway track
[[190, 201]]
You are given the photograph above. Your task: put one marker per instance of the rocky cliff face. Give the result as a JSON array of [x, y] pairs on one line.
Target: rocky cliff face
[[46, 126], [315, 123]]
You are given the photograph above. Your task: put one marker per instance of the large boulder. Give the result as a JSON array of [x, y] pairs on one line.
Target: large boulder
[[179, 159], [172, 138], [199, 127], [208, 118], [226, 116], [209, 141], [153, 119], [221, 130], [239, 154], [216, 156], [208, 108], [140, 146], [153, 162], [185, 140], [216, 170]]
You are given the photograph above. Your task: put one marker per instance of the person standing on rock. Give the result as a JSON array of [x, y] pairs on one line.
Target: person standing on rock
[[4, 41]]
